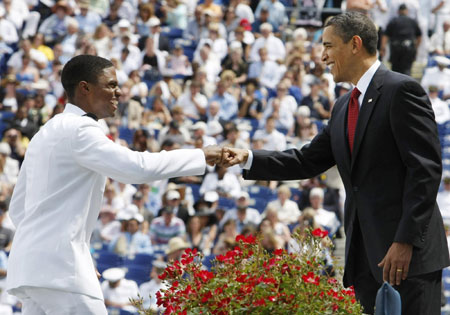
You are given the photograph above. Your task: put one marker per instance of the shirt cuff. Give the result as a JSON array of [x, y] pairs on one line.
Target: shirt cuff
[[249, 162]]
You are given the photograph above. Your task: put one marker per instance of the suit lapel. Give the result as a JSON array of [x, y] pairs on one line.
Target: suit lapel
[[369, 103]]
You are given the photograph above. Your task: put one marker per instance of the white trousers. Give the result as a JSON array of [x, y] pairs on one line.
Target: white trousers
[[42, 301]]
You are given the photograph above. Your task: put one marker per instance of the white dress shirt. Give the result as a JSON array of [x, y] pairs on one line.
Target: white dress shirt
[[58, 197]]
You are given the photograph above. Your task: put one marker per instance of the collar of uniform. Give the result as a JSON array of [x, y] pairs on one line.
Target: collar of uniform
[[73, 109]]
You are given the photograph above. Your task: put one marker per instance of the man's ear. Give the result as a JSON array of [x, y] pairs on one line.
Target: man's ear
[[357, 43], [84, 87]]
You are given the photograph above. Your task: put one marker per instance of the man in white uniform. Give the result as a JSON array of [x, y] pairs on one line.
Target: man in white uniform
[[59, 192]]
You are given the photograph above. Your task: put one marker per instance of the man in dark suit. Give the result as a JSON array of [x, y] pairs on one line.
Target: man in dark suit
[[383, 139]]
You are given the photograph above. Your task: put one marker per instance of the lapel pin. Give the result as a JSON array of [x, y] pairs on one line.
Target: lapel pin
[[370, 101]]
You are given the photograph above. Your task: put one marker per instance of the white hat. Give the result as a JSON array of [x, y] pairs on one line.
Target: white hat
[[211, 196], [316, 192], [176, 243], [154, 21], [40, 85], [304, 111], [107, 209], [159, 264], [131, 209], [4, 148], [214, 128], [123, 216], [172, 195], [442, 60], [243, 194], [123, 23], [113, 274], [138, 217], [199, 125]]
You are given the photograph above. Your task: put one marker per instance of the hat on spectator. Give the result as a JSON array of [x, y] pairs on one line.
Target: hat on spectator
[[235, 45], [113, 274], [138, 217], [40, 85], [214, 128], [123, 216], [346, 85], [245, 24], [300, 32], [83, 4], [107, 209], [442, 60], [304, 111], [243, 194], [123, 23], [63, 5], [211, 196], [154, 21], [172, 195], [138, 196], [4, 148], [176, 243], [316, 192], [159, 264], [199, 125]]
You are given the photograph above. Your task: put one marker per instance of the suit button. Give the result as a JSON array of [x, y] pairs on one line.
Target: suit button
[[355, 188]]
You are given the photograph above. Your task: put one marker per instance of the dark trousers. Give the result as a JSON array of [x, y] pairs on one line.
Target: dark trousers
[[420, 294]]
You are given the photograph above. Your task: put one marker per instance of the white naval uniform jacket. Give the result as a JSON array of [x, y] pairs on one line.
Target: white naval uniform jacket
[[57, 199]]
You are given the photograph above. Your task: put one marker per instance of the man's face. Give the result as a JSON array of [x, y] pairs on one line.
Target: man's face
[[105, 94], [337, 55]]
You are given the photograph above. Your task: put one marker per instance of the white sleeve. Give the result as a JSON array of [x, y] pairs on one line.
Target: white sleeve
[[249, 162], [17, 205], [93, 150]]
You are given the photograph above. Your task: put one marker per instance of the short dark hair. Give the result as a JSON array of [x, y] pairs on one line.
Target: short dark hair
[[349, 24], [82, 68]]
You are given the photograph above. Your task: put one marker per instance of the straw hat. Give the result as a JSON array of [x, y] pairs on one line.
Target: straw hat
[[176, 243]]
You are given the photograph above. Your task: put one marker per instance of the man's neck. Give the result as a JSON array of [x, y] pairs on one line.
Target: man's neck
[[361, 68]]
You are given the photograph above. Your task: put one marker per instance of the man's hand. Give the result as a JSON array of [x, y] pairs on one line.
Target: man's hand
[[396, 263], [213, 154], [233, 156]]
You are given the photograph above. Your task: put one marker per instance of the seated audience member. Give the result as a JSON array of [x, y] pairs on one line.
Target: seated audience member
[[173, 199], [266, 71], [148, 290], [197, 235], [227, 237], [243, 215], [175, 248], [193, 102], [165, 227], [325, 218], [249, 105], [135, 241], [280, 229], [106, 228], [318, 104], [117, 290], [272, 138], [269, 240], [440, 108], [287, 209]]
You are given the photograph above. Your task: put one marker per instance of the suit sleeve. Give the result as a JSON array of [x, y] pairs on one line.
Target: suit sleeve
[[93, 150], [312, 160], [415, 132]]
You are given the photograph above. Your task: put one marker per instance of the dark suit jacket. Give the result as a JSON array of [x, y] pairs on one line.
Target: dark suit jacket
[[391, 179]]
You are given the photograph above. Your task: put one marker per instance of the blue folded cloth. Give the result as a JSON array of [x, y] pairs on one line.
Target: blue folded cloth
[[388, 301]]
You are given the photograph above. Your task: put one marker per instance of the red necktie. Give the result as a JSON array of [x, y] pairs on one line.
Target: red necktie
[[352, 118]]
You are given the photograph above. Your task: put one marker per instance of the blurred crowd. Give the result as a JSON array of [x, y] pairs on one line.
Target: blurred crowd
[[240, 73]]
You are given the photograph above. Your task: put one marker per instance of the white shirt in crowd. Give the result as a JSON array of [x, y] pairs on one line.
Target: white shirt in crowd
[[287, 213]]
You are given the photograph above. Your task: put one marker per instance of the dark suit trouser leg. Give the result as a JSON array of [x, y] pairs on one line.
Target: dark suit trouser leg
[[421, 295]]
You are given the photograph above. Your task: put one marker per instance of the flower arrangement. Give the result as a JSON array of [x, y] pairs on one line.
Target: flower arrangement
[[249, 280]]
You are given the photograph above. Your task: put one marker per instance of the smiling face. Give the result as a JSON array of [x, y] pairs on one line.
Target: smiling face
[[337, 55], [105, 94]]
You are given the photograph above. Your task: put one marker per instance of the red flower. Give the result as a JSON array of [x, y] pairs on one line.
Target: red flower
[[332, 281], [205, 275], [206, 297], [284, 268], [311, 278], [319, 233], [272, 298], [249, 239], [259, 302], [278, 252]]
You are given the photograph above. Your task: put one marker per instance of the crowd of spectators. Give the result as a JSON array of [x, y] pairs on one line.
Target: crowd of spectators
[[240, 73]]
